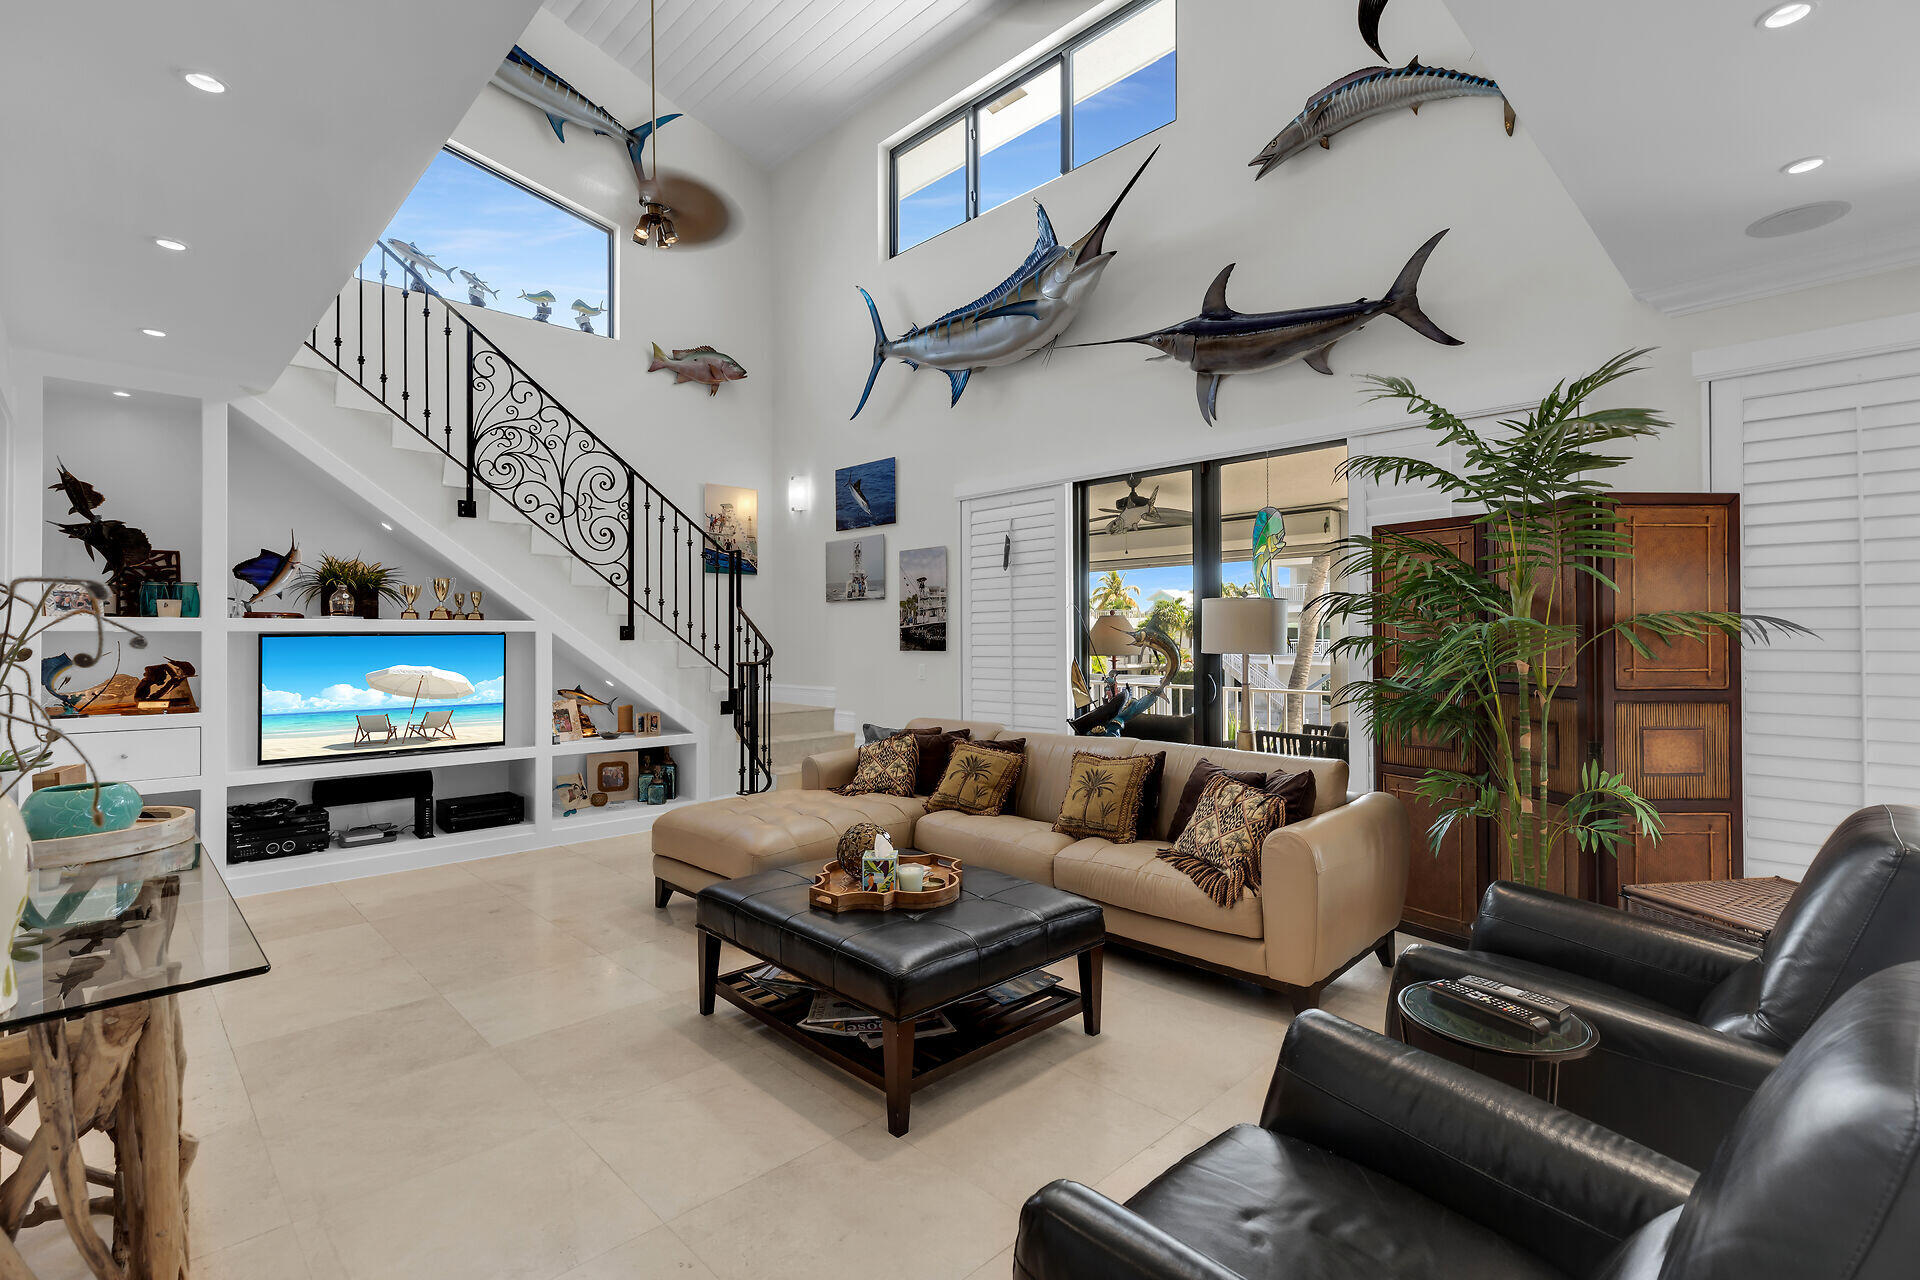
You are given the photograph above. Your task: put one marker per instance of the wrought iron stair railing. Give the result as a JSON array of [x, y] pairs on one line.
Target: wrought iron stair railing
[[512, 438]]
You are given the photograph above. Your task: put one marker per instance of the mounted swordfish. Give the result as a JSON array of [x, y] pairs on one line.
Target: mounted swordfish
[[1021, 315], [1221, 341]]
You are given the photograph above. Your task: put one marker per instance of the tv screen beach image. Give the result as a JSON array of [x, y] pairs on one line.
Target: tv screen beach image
[[330, 697]]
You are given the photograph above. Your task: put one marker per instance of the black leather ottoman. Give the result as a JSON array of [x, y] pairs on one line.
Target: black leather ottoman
[[904, 966]]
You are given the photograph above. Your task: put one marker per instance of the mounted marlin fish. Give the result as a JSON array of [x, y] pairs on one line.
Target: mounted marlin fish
[[1023, 314], [562, 104], [1369, 92], [1221, 341]]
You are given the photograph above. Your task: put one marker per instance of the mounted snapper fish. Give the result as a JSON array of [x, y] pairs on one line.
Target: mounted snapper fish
[[698, 364], [1369, 92], [268, 572], [1023, 314], [1221, 341], [416, 258], [562, 104]]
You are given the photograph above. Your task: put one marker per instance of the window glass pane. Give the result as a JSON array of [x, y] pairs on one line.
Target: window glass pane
[[469, 219], [1020, 138], [1123, 83], [1140, 564], [930, 186]]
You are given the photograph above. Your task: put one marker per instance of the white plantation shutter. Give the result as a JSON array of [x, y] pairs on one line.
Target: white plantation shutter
[[1015, 645], [1827, 461]]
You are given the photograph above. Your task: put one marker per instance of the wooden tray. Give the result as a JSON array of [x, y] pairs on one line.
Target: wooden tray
[[834, 890], [159, 826]]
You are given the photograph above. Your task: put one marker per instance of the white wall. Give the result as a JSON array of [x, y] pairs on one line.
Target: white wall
[[678, 437], [1521, 279]]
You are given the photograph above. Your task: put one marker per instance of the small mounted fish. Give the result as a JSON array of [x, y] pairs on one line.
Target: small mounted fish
[[583, 315], [1221, 341], [477, 289], [698, 364], [267, 573], [1366, 93], [542, 303], [1025, 313], [417, 261]]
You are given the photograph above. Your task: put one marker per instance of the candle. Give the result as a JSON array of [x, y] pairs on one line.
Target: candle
[[913, 877]]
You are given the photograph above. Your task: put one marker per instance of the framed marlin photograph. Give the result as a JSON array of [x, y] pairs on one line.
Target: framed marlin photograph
[[863, 495], [857, 569]]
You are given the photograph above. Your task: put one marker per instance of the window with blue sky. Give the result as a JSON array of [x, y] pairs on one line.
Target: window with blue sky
[[1099, 91], [505, 247]]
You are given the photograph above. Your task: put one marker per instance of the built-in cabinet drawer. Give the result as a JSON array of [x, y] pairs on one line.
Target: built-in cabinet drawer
[[135, 755]]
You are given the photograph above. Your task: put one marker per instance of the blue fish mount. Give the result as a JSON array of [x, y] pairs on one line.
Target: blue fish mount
[[563, 104]]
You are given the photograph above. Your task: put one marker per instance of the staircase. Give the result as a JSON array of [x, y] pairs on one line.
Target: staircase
[[799, 732], [508, 445]]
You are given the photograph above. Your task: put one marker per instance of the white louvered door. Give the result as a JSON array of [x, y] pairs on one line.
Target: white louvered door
[[1826, 458], [1014, 607]]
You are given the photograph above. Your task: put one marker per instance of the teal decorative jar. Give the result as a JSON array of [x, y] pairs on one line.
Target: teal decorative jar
[[54, 813]]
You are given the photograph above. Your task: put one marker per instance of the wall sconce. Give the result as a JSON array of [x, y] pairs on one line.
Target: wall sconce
[[799, 493]]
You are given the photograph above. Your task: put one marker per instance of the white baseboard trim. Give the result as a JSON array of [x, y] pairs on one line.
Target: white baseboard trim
[[805, 695]]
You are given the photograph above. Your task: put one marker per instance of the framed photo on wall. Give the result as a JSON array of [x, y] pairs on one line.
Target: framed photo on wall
[[863, 495], [857, 569], [923, 600], [733, 521]]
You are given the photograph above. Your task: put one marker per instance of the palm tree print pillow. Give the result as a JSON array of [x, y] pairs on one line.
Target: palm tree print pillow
[[1103, 796], [979, 778]]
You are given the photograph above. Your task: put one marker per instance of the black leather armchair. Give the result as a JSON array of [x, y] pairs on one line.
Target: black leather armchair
[[1376, 1161], [1689, 1026]]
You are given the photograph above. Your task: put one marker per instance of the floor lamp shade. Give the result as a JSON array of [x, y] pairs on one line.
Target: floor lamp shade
[[1243, 625]]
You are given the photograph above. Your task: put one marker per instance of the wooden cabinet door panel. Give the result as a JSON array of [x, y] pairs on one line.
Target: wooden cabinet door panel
[[1443, 885], [1680, 561], [1695, 846]]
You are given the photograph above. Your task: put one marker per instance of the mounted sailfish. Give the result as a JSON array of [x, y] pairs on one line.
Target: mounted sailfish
[[562, 104], [1221, 341], [1023, 314]]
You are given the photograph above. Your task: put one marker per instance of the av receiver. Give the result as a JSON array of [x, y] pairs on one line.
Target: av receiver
[[275, 829]]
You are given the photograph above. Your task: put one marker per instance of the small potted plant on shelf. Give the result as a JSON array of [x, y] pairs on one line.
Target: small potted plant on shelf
[[347, 588]]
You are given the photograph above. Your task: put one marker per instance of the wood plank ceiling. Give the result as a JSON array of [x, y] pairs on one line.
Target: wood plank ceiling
[[773, 75]]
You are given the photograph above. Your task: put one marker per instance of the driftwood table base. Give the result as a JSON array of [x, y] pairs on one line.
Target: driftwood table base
[[118, 1070]]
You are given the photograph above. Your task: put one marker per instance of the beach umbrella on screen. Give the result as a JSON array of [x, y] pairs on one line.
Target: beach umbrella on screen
[[418, 683]]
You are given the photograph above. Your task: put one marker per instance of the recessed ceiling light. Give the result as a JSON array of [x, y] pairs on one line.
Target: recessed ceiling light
[[1785, 15], [1805, 217], [386, 526], [123, 394], [155, 333], [171, 245], [1807, 165], [207, 84]]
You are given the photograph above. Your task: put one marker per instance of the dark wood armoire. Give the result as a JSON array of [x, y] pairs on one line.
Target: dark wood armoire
[[1671, 723]]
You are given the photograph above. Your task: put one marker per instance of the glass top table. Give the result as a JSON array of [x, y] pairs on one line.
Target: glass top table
[[123, 930], [1573, 1037]]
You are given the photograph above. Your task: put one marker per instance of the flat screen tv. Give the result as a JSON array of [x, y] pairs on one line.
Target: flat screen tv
[[338, 697]]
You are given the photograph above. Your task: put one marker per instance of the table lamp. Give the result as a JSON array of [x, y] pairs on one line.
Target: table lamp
[[1244, 625], [1112, 637]]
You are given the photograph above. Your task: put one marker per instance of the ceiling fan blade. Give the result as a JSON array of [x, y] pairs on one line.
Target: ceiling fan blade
[[701, 215]]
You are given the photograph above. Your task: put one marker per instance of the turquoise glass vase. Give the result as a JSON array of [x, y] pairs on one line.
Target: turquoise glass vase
[[54, 813]]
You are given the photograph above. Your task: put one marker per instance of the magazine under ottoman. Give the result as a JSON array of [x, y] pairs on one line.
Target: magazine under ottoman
[[904, 968]]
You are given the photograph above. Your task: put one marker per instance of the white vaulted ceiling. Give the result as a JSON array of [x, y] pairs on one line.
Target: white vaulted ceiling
[[773, 75]]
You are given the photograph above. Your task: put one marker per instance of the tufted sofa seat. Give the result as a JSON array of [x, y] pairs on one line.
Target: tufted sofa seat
[[1333, 882]]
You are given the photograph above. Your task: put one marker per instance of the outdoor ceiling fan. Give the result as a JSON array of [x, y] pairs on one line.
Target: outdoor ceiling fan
[[674, 209], [1136, 511]]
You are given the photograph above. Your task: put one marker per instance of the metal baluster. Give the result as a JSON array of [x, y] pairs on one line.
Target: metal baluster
[[360, 338], [426, 364], [646, 553], [626, 632], [383, 330], [467, 508], [406, 349], [446, 379]]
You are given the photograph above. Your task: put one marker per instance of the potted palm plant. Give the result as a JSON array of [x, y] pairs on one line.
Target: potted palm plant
[[1476, 654], [348, 587]]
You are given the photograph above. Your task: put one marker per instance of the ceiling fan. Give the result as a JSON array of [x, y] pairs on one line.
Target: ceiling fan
[[674, 209], [1137, 511]]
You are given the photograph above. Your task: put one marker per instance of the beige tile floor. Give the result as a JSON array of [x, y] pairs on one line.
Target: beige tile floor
[[497, 1070]]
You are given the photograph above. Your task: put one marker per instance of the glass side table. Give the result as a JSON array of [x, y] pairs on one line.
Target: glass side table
[[101, 956], [1543, 1052]]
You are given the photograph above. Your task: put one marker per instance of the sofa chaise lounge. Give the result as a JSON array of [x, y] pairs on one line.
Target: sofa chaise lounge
[[1333, 883]]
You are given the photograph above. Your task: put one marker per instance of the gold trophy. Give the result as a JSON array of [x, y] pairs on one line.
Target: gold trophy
[[410, 593], [476, 615], [460, 605], [440, 588]]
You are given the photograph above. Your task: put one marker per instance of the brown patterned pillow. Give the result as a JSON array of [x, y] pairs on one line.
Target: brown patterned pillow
[[886, 768], [979, 778], [1103, 796], [1297, 789], [936, 748], [1220, 848]]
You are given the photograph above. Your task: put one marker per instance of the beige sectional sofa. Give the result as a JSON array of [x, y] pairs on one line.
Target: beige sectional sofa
[[1332, 884]]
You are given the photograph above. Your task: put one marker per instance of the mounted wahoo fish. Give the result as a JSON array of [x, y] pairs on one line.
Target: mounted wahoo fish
[[1369, 92], [1221, 341], [1023, 314], [416, 259], [562, 104]]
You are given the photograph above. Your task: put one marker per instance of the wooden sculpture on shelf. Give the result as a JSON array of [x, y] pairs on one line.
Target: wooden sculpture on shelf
[[164, 687]]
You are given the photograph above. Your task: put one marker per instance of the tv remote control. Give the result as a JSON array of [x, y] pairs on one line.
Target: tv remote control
[[1472, 1000], [1519, 995]]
